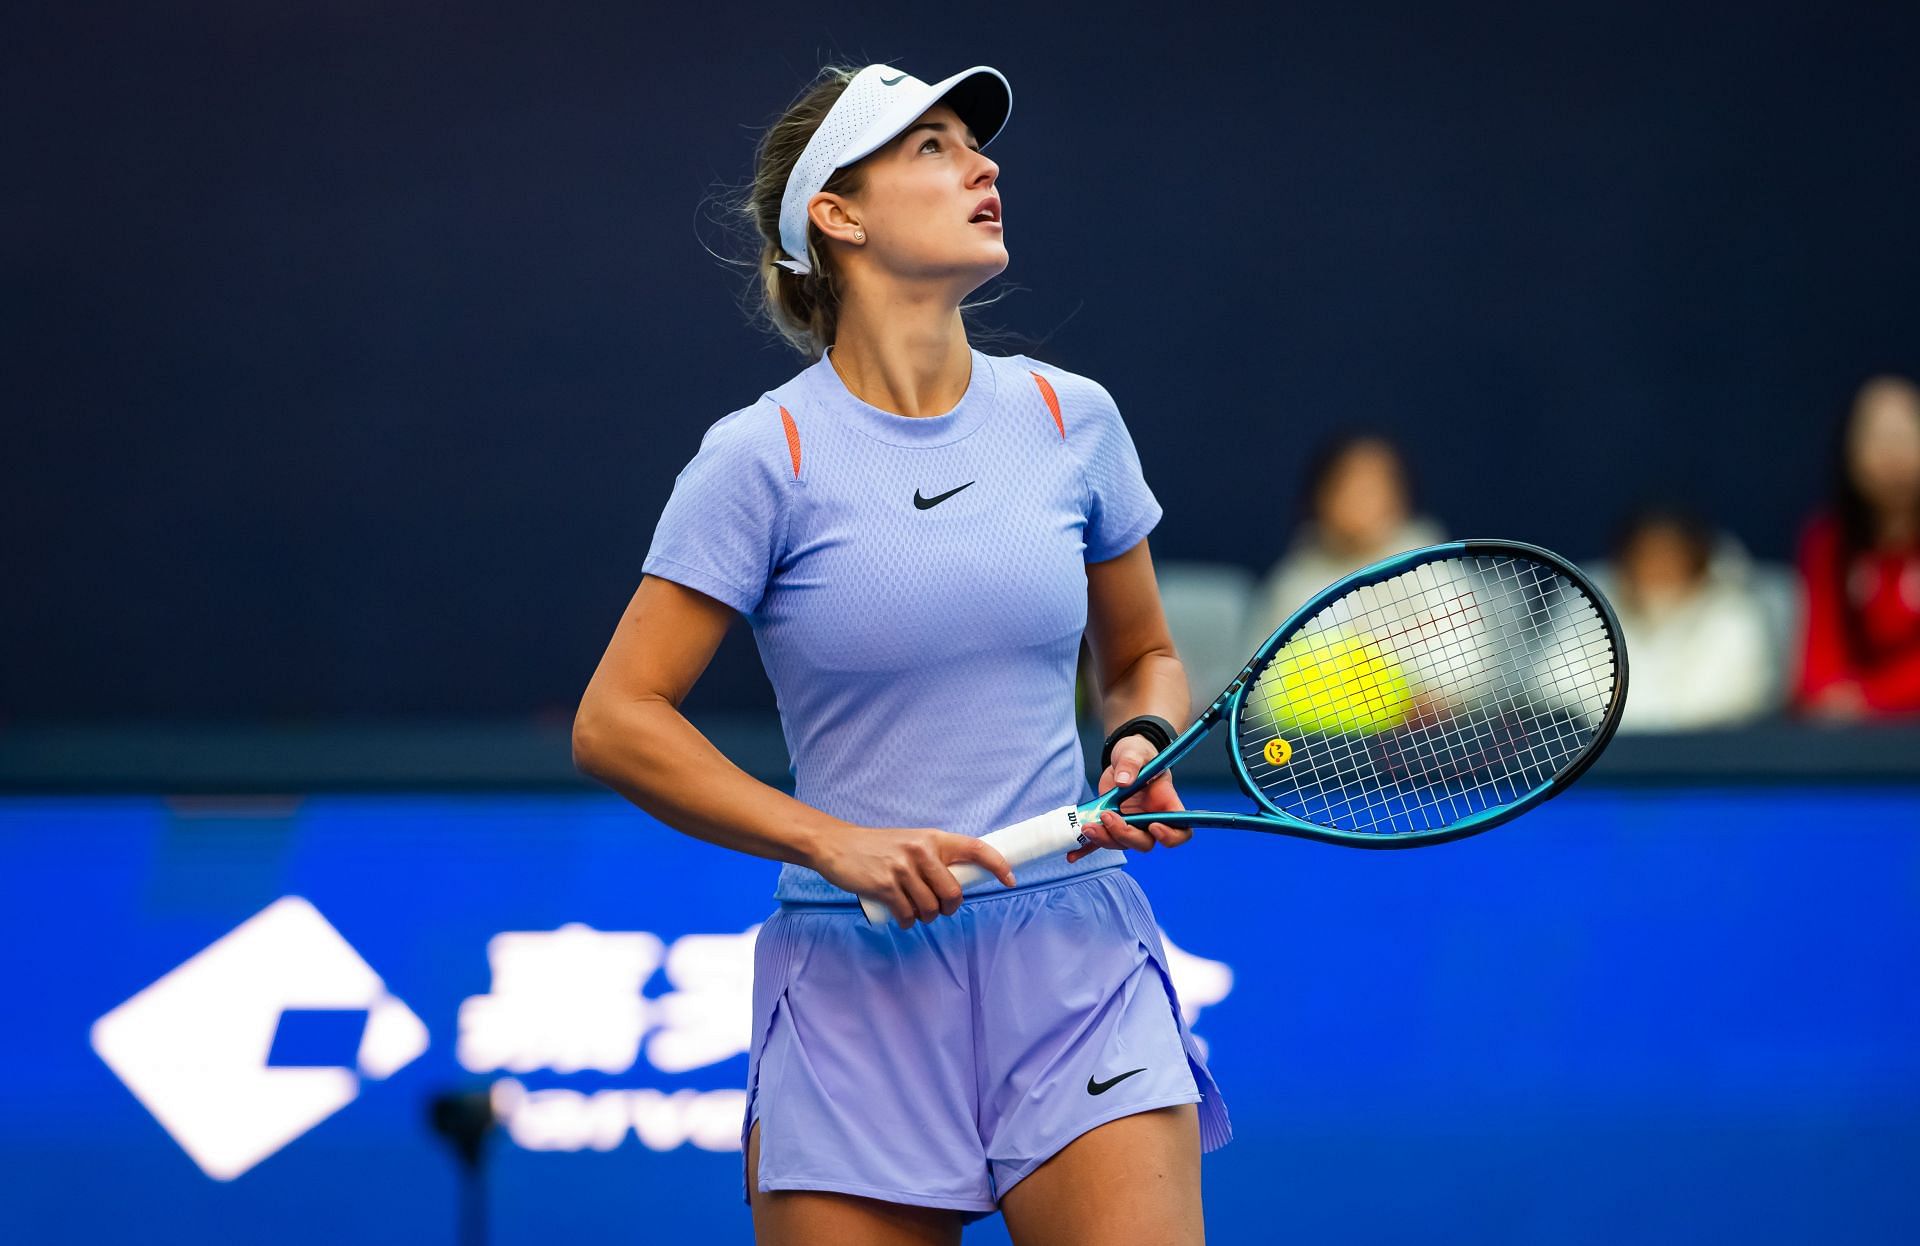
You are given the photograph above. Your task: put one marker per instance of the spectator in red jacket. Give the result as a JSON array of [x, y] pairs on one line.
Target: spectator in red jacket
[[1860, 565]]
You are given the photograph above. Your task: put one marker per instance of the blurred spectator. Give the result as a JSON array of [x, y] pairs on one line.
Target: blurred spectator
[[1359, 510], [1860, 564], [1697, 638]]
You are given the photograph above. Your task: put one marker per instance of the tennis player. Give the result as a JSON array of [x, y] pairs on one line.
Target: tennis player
[[919, 534]]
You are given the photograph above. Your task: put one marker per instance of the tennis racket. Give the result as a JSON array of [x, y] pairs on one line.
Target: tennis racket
[[1431, 696]]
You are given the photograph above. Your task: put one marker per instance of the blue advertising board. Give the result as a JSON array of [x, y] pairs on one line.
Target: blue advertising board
[[1670, 1015]]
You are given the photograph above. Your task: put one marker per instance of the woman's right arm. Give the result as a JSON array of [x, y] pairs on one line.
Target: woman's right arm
[[630, 735]]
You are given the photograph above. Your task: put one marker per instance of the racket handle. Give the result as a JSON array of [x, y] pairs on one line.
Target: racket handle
[[1057, 830]]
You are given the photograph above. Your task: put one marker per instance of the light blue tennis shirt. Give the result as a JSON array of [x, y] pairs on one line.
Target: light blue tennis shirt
[[917, 588]]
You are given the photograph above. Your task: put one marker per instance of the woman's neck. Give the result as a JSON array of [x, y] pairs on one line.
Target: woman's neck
[[901, 354]]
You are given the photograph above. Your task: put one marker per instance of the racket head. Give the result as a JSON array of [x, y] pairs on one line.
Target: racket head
[[1430, 696]]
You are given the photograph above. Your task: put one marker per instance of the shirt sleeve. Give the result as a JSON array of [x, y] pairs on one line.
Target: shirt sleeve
[[724, 526], [1121, 509]]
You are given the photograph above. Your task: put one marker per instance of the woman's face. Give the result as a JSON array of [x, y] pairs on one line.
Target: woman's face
[[1363, 501], [1660, 567], [921, 202], [1883, 447]]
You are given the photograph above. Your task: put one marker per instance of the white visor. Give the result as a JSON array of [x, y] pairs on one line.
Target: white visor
[[880, 102]]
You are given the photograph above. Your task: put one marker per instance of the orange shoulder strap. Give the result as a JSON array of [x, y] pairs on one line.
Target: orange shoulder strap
[[1046, 392], [793, 440]]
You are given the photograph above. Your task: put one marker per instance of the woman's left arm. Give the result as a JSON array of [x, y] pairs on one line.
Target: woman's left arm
[[1138, 673]]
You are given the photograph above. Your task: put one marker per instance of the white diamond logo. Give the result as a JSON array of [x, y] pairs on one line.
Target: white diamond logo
[[194, 1046]]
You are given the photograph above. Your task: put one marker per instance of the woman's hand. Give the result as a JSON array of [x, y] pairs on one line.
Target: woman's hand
[[1129, 754], [905, 868]]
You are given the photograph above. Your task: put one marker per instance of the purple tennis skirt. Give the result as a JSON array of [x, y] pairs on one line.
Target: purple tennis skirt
[[938, 1066]]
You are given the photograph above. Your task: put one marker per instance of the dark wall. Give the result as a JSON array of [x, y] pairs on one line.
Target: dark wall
[[352, 350]]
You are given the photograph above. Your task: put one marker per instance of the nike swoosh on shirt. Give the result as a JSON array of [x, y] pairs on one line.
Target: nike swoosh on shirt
[[929, 503], [1101, 1088]]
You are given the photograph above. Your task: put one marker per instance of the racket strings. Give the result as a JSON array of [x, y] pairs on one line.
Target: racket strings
[[1439, 762], [1482, 749], [1453, 688], [1408, 766]]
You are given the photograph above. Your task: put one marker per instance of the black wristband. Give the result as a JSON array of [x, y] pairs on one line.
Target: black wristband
[[1158, 731]]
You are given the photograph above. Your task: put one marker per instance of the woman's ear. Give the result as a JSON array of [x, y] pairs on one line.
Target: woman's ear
[[831, 216]]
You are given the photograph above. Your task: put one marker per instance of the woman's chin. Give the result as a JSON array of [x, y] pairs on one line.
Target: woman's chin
[[976, 271], [974, 267], [996, 260]]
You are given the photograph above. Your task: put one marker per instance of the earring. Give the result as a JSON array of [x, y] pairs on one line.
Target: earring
[[859, 235]]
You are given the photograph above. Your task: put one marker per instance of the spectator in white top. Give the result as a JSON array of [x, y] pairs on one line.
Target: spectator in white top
[[1696, 633], [1359, 505]]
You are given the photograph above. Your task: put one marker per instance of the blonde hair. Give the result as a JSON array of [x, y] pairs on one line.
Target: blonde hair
[[804, 309]]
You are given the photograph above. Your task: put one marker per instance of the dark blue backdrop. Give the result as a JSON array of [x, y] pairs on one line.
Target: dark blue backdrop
[[352, 348], [1672, 1016]]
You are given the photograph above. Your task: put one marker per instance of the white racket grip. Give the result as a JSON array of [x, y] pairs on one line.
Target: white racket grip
[[1056, 830]]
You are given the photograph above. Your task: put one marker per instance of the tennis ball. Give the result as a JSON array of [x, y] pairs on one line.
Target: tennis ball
[[1335, 684]]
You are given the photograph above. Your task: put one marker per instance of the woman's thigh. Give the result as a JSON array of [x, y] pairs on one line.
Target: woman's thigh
[[1135, 1180], [805, 1217]]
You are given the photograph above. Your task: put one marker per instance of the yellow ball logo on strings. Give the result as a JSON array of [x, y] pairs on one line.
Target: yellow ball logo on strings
[[1335, 683]]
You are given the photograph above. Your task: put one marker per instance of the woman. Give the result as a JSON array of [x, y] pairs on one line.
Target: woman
[[1697, 634], [919, 534], [1860, 565]]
